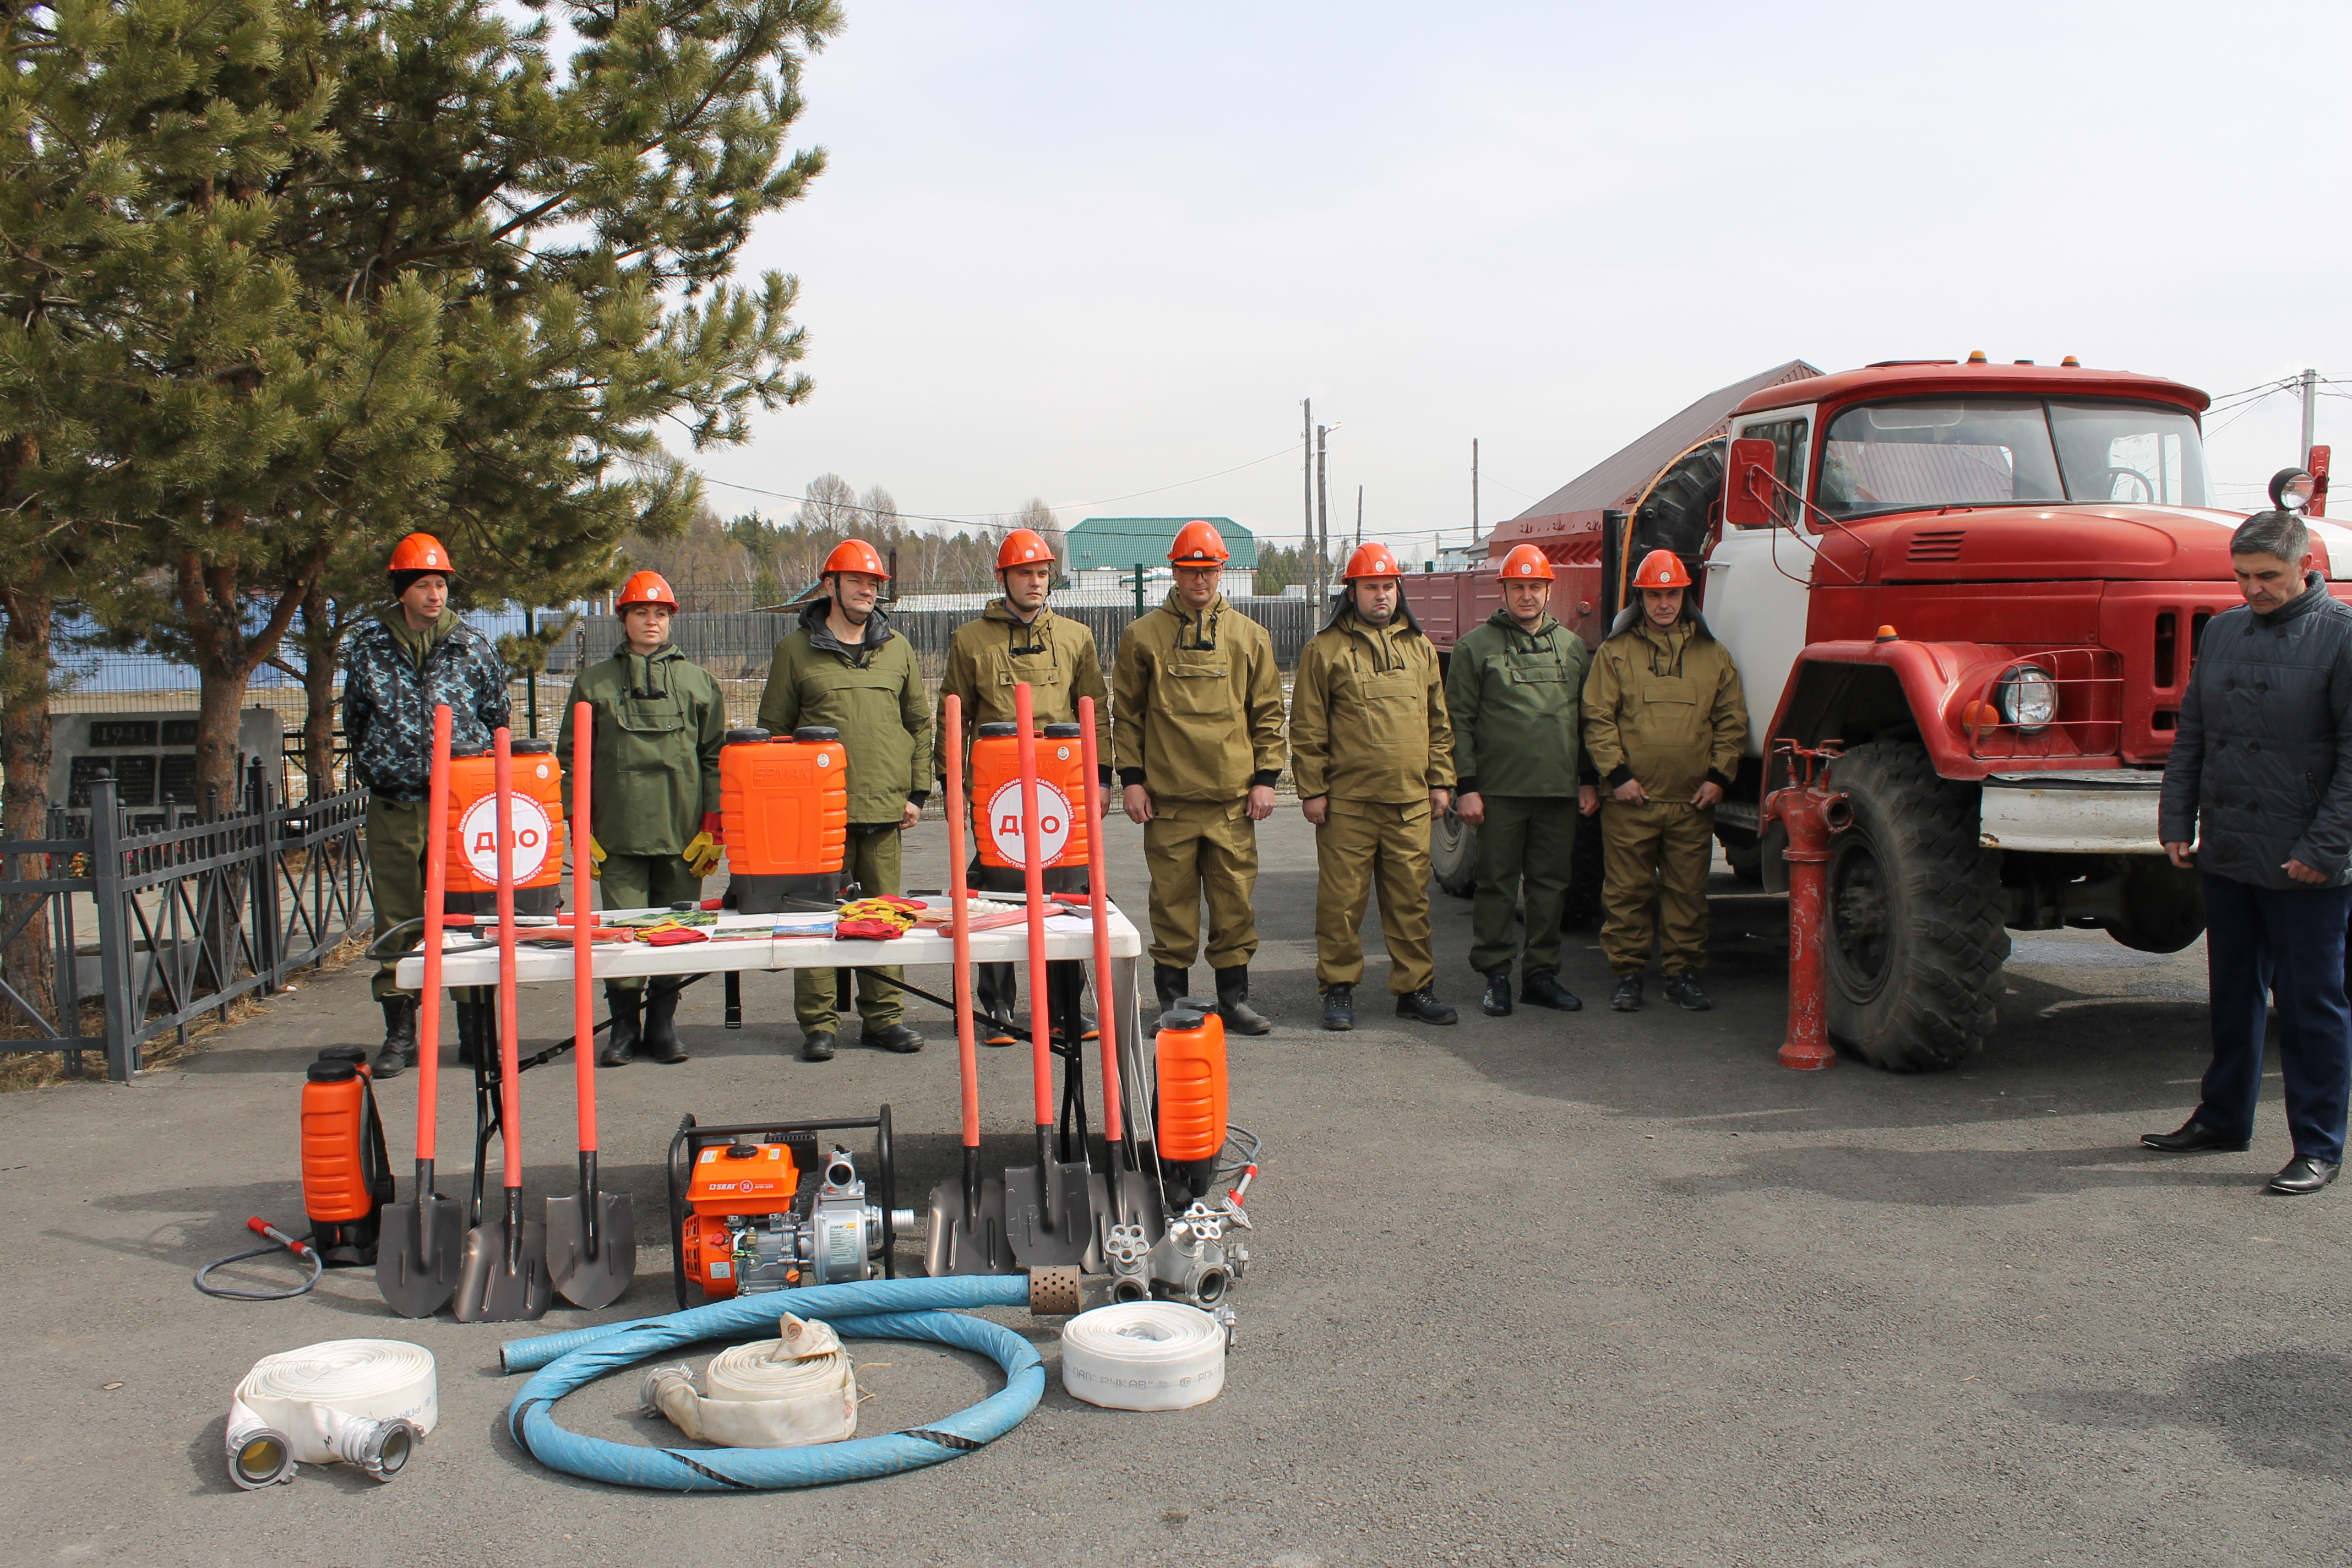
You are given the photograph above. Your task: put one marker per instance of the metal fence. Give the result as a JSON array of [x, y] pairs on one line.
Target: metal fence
[[187, 920]]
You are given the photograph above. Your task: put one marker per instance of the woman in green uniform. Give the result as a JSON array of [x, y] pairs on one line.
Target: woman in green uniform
[[658, 724]]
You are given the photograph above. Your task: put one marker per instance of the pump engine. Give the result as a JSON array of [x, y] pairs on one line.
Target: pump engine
[[749, 1229]]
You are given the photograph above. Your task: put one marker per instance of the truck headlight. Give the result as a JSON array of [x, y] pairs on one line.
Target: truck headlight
[[2027, 697]]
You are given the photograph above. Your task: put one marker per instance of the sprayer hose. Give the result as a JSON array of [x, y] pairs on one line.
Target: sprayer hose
[[314, 1264], [879, 1309]]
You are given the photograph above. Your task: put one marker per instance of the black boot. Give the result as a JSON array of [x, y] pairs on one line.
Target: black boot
[[661, 1042], [1496, 1002], [1545, 990], [1233, 1003], [1627, 997], [1168, 984], [399, 1053], [1424, 1006], [472, 1030], [1340, 1006], [992, 992], [624, 1003], [817, 1046]]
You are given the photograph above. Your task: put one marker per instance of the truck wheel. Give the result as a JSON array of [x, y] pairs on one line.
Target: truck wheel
[[1916, 934], [1454, 854]]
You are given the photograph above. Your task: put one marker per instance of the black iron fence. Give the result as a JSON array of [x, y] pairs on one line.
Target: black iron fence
[[164, 926]]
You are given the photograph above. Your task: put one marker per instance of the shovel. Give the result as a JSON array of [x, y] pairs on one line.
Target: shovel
[[591, 1238], [1119, 1195], [416, 1250], [503, 1276], [1047, 1218], [966, 1234]]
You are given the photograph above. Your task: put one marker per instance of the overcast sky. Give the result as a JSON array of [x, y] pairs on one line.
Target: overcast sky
[[1086, 250]]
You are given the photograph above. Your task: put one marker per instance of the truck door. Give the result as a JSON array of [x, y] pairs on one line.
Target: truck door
[[1759, 580]]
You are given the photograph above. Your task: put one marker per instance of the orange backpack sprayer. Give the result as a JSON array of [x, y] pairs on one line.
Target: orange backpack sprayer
[[346, 1174], [1062, 825], [472, 826], [783, 803]]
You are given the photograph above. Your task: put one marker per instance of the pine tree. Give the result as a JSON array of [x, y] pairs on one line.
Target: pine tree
[[393, 266]]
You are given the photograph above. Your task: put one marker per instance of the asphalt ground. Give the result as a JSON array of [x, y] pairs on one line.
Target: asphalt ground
[[1598, 1289]]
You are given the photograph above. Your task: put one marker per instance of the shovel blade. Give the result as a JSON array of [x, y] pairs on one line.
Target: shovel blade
[[1050, 1228], [418, 1280], [490, 1292], [601, 1280], [1142, 1205], [951, 1245]]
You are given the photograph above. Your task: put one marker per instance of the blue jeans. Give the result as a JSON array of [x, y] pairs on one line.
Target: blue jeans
[[2285, 943]]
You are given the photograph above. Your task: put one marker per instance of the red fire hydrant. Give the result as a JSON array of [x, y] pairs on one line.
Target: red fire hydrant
[[1812, 811]]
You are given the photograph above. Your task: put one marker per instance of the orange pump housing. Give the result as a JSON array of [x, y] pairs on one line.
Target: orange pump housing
[[783, 807], [764, 1183], [996, 795], [472, 826], [1191, 1050]]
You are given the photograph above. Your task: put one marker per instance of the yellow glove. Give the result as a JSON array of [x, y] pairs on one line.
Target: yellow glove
[[702, 855], [596, 858]]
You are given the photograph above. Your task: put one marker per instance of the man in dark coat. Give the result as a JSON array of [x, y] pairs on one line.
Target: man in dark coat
[[2262, 764]]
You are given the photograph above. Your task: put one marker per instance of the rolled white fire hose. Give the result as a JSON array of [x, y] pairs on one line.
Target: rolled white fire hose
[[358, 1402], [782, 1393], [1144, 1355]]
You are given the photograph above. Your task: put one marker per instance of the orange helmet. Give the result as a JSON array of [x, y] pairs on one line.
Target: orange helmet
[[421, 552], [1198, 544], [1525, 563], [1661, 569], [645, 588], [1023, 547], [854, 555], [1371, 560]]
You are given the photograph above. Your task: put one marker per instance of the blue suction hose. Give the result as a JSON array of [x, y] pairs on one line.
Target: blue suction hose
[[879, 1309]]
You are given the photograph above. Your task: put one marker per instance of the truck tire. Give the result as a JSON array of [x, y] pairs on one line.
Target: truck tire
[[1914, 933], [1454, 855]]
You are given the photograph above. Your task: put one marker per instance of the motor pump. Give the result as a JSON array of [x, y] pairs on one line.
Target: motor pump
[[749, 1231]]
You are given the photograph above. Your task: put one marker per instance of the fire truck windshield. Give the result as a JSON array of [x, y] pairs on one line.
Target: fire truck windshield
[[2009, 451]]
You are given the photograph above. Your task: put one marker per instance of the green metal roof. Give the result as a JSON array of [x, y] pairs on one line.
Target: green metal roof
[[1123, 542]]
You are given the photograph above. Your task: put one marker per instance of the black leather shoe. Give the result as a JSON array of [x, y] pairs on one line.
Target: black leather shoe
[[1339, 1007], [2304, 1175], [1544, 990], [621, 1039], [661, 1042], [817, 1046], [903, 1038], [1683, 991], [1627, 997], [2194, 1137], [1233, 1003], [1424, 1006], [1496, 1002]]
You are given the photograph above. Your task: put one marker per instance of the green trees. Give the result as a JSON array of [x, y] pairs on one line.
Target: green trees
[[283, 280]]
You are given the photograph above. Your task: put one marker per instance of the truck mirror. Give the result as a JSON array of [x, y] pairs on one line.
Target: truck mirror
[[1747, 487]]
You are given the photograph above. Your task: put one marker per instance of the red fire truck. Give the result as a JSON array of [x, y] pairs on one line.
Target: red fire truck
[[1988, 581]]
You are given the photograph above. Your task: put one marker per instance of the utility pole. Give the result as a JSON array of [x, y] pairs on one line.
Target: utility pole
[[1307, 484], [1474, 490], [2310, 416], [1360, 517], [1322, 495]]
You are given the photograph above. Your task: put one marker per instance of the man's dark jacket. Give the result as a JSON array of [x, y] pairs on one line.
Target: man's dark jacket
[[2264, 755]]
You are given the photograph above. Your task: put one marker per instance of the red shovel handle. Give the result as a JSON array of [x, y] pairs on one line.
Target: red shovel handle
[[584, 931], [509, 1071], [1098, 900], [1032, 879], [436, 890], [961, 922]]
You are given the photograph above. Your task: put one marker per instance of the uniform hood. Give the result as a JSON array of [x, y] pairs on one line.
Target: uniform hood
[[1511, 628], [998, 610], [1630, 618], [395, 621], [1343, 612], [813, 621]]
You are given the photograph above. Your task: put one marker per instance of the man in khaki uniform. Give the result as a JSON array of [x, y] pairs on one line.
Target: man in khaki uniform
[[845, 666], [1018, 639], [1199, 747], [1371, 750], [1663, 719]]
